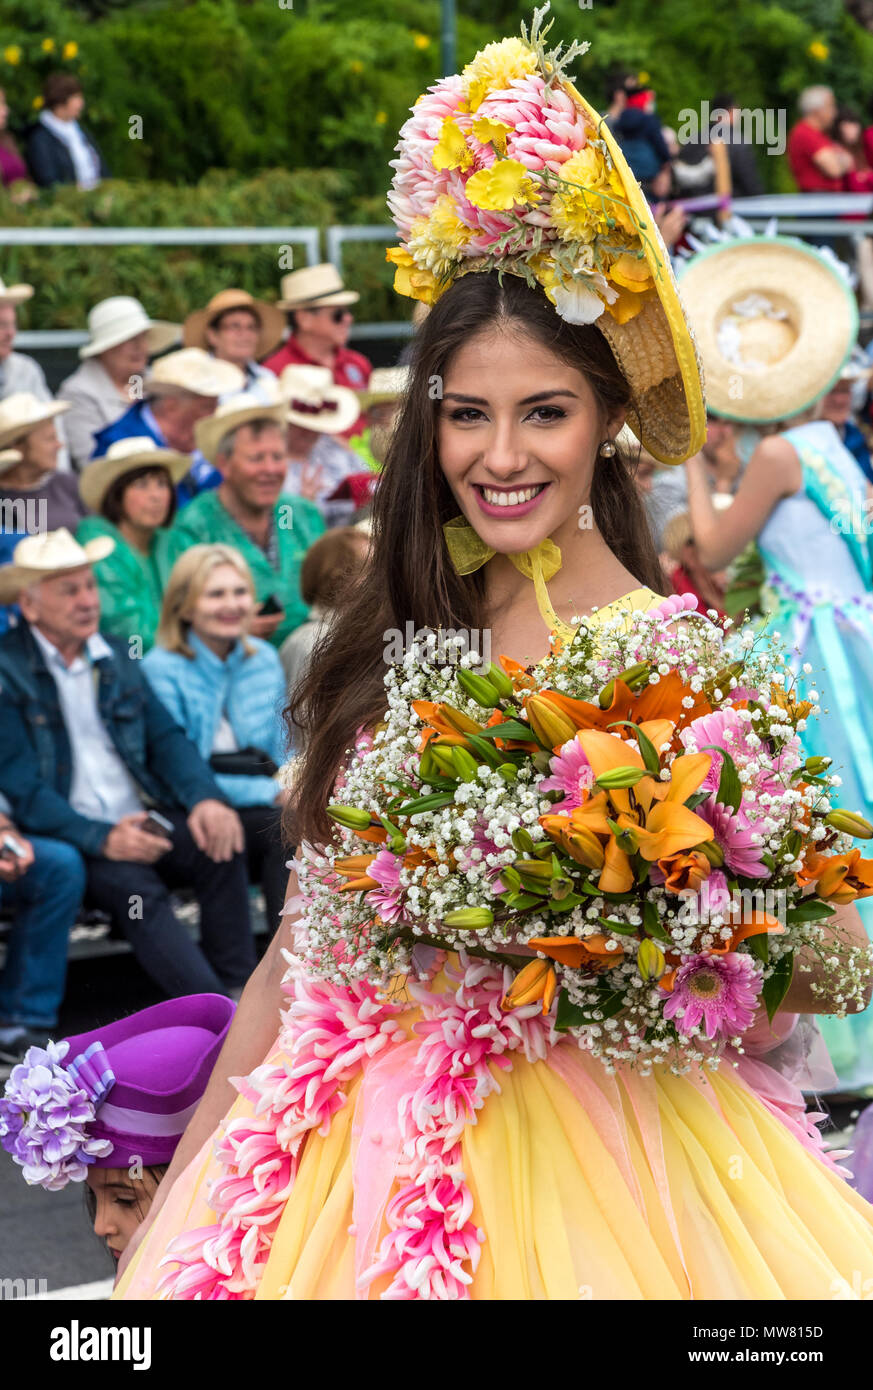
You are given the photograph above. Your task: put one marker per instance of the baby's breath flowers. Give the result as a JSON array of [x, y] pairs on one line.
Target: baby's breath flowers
[[636, 811]]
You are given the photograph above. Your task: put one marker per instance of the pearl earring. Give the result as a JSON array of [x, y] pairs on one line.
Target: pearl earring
[[607, 449]]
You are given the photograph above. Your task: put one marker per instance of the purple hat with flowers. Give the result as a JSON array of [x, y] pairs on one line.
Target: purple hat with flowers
[[115, 1095]]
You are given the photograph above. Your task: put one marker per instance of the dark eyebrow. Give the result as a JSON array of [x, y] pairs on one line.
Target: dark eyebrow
[[528, 400], [121, 1187]]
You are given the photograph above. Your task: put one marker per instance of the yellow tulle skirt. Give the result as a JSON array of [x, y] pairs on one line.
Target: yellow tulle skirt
[[584, 1185]]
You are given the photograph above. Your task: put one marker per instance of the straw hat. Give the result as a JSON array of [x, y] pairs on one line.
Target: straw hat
[[121, 318], [270, 318], [775, 321], [239, 410], [22, 412], [385, 384], [192, 369], [47, 553], [122, 457], [316, 402], [15, 294], [315, 287]]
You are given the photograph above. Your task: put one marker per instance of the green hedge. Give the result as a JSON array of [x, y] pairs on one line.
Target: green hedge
[[254, 84], [171, 281]]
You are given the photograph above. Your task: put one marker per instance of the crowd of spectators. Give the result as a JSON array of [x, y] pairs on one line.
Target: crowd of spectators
[[165, 570]]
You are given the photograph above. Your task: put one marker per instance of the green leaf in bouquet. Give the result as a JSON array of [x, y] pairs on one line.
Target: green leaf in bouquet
[[759, 946], [620, 928], [565, 904], [694, 801], [434, 802], [648, 751], [570, 1015], [512, 728], [776, 987], [730, 788], [485, 750], [810, 910], [652, 924], [517, 901]]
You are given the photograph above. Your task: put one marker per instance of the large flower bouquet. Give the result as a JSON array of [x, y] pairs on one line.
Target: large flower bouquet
[[636, 811]]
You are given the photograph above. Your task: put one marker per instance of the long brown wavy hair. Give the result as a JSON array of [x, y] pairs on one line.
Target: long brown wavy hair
[[409, 576]]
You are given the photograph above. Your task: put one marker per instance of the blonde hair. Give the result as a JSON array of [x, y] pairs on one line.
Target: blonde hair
[[188, 578]]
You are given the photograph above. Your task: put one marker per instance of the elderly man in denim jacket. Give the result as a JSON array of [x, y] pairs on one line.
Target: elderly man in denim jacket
[[87, 751]]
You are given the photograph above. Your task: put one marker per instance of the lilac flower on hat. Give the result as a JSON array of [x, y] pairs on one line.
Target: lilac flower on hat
[[44, 1114]]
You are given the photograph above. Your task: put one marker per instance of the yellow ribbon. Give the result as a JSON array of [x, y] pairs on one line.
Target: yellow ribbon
[[468, 552]]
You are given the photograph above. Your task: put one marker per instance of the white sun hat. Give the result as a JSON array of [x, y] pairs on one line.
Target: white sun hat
[[316, 402], [139, 451], [385, 384], [230, 415], [22, 412], [192, 369], [315, 287], [120, 318], [15, 294], [47, 553]]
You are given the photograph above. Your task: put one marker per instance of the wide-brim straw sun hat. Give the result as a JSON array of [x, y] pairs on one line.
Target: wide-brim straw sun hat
[[9, 458], [22, 412], [15, 294], [315, 287], [315, 402], [48, 553], [231, 415], [507, 167], [775, 320], [195, 371], [270, 318], [118, 319], [385, 384], [124, 456]]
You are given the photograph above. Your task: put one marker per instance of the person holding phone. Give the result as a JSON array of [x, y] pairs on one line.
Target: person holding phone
[[41, 884]]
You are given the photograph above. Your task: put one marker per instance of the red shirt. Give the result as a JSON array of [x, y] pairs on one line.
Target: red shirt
[[350, 369], [803, 142]]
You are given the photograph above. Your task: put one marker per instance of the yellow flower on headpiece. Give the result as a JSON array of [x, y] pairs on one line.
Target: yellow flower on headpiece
[[450, 151], [421, 40], [12, 54], [632, 273], [818, 50], [496, 189], [70, 49], [411, 281], [48, 45], [495, 67], [491, 133]]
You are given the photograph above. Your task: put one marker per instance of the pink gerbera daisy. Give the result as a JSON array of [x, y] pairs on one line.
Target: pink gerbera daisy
[[387, 899], [720, 991], [572, 774], [733, 833]]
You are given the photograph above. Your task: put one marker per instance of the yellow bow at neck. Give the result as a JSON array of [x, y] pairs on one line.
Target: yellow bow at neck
[[468, 552]]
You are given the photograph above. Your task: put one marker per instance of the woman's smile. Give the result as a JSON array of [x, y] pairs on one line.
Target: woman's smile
[[508, 501]]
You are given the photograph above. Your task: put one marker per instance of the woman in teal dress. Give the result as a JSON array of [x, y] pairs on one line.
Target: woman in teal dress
[[131, 491], [776, 321]]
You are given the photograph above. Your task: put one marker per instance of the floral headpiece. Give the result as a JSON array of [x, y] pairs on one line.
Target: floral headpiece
[[507, 167], [47, 1109]]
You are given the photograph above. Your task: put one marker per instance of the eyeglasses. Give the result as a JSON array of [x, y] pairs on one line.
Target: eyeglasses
[[339, 314]]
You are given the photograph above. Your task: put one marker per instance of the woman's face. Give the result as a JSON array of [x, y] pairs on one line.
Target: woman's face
[[122, 1203], [224, 607], [40, 448], [518, 436], [146, 501]]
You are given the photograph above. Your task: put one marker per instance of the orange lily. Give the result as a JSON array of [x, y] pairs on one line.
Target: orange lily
[[795, 709], [359, 885], [518, 674], [685, 871], [575, 951], [838, 878], [660, 701], [353, 865], [537, 980]]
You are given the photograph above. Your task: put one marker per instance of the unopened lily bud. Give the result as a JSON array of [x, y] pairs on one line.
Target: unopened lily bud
[[457, 720], [501, 682], [713, 852], [469, 918], [522, 842], [508, 771], [849, 823], [442, 756], [816, 766], [550, 726], [617, 777], [478, 688], [465, 764], [534, 868], [651, 963], [536, 981], [352, 817]]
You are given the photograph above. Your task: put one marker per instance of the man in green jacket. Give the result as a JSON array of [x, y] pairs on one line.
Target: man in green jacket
[[248, 510]]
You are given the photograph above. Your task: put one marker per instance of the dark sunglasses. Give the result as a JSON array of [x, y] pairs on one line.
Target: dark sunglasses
[[339, 314]]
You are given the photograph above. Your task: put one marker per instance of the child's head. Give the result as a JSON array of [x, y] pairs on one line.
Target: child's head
[[118, 1199]]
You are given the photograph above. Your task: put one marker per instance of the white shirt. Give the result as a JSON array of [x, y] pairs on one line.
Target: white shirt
[[101, 787], [225, 738], [335, 461], [85, 159]]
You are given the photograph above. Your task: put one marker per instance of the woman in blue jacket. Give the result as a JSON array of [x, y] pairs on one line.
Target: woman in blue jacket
[[227, 689]]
